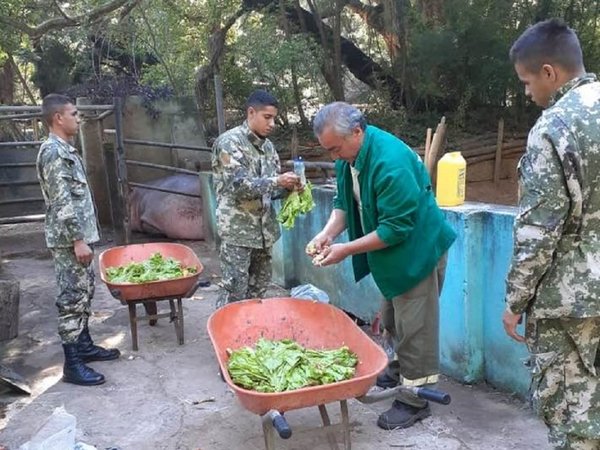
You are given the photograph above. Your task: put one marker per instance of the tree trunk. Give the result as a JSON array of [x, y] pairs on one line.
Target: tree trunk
[[205, 75], [355, 60], [7, 85]]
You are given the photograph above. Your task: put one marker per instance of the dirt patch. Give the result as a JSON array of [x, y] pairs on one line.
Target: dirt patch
[[505, 192]]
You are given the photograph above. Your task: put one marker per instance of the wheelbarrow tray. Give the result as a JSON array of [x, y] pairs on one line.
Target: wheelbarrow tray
[[177, 287], [311, 324]]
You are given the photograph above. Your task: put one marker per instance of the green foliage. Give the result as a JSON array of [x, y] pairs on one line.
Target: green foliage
[[278, 366], [454, 64], [296, 203], [155, 268], [260, 55]]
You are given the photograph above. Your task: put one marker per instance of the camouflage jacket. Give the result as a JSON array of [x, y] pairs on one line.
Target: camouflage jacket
[[555, 269], [245, 170], [70, 210]]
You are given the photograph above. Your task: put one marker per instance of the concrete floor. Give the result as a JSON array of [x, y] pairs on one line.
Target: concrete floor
[[167, 396]]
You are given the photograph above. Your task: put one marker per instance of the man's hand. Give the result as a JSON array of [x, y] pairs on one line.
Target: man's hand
[[83, 253], [289, 181], [317, 244], [334, 254], [510, 322]]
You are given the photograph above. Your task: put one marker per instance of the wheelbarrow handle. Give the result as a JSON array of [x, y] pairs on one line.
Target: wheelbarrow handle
[[434, 395], [424, 393], [201, 282], [279, 423]]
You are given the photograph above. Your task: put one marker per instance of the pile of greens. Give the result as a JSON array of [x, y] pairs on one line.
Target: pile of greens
[[278, 366], [296, 203], [153, 269]]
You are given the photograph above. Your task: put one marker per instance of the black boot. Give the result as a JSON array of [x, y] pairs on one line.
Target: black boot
[[90, 352], [401, 415], [76, 372]]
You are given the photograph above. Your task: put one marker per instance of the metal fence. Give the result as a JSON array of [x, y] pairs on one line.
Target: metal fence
[[20, 196]]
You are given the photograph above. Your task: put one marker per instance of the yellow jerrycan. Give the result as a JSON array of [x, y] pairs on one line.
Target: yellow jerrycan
[[451, 179]]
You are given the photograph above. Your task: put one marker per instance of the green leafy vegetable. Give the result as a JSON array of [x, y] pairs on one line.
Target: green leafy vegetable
[[296, 203], [278, 366], [153, 269]]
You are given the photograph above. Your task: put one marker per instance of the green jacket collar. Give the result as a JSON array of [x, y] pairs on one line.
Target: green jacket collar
[[363, 152], [574, 83]]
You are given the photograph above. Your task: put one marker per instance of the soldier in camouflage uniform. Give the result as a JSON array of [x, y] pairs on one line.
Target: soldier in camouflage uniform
[[246, 179], [71, 228], [555, 272]]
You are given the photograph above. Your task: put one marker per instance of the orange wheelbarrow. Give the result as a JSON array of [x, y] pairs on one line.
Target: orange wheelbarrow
[[174, 290], [314, 325]]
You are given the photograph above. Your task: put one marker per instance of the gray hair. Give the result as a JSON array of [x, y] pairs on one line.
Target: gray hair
[[341, 116]]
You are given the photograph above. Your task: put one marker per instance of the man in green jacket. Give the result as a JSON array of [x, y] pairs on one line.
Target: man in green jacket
[[398, 234]]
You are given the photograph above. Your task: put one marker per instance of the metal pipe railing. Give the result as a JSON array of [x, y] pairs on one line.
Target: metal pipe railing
[[154, 188], [132, 162]]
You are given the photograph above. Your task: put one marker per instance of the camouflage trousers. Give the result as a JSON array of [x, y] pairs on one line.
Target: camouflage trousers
[[75, 290], [246, 273], [565, 388]]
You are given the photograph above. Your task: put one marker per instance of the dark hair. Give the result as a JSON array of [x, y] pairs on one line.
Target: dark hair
[[52, 104], [548, 42], [259, 99]]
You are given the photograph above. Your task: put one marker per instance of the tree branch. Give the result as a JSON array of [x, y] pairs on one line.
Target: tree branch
[[62, 13], [36, 32]]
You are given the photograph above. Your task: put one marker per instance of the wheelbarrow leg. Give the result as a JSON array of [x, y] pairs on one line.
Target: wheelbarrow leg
[[345, 424], [180, 314], [326, 425], [133, 325], [175, 318], [268, 433]]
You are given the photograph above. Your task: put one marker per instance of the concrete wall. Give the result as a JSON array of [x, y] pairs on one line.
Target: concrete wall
[[176, 122], [473, 346]]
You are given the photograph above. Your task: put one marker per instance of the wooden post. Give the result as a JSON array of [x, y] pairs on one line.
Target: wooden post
[[498, 158], [437, 144], [427, 145], [9, 309], [121, 166], [219, 103], [36, 132], [116, 204], [93, 158]]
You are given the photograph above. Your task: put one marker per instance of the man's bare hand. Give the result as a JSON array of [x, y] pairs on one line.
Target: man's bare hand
[[289, 181], [83, 252], [317, 244], [510, 322], [334, 254]]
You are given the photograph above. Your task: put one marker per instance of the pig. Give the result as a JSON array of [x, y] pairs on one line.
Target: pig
[[174, 216]]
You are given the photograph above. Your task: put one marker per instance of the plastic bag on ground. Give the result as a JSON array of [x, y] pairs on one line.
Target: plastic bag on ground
[[309, 292], [57, 433]]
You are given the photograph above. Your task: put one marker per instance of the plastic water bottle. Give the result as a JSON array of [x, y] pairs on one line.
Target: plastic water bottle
[[451, 179], [299, 169]]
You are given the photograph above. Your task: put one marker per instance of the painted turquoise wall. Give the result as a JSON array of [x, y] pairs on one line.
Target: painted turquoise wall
[[473, 345]]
